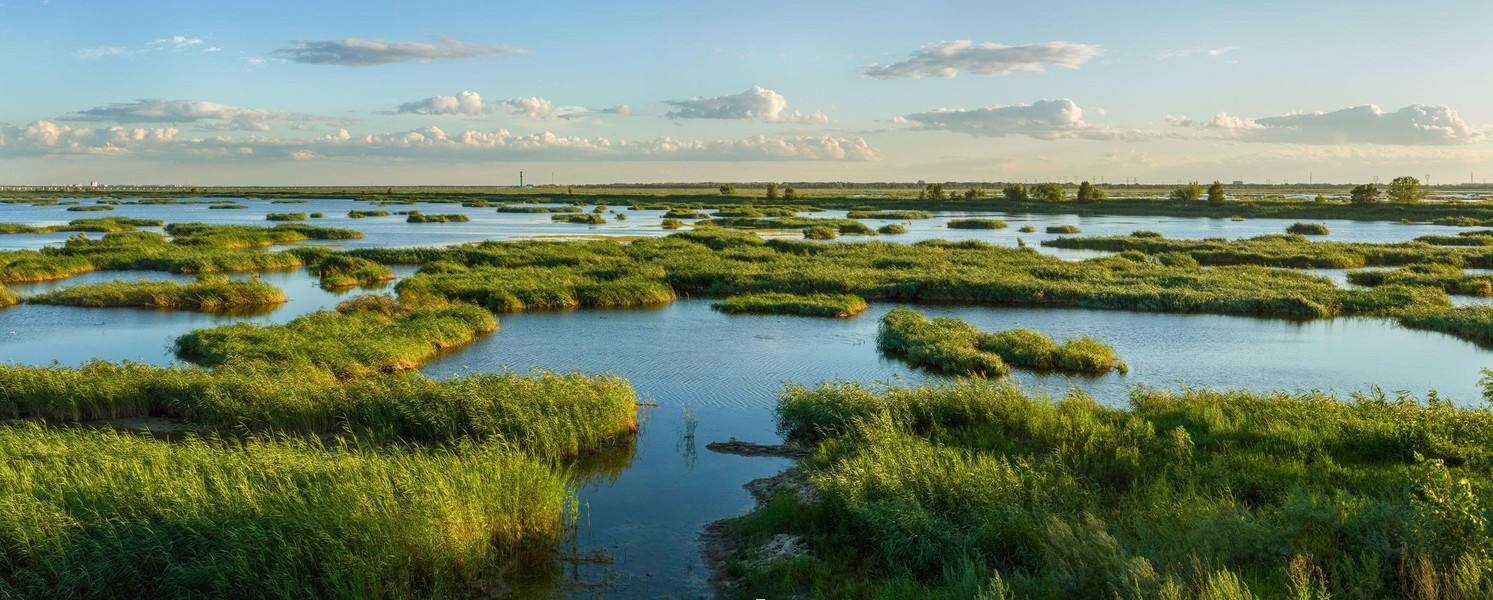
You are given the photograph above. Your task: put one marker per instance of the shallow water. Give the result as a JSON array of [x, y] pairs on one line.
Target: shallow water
[[721, 372], [487, 223]]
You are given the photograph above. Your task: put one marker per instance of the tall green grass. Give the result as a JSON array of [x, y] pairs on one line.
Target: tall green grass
[[954, 346], [812, 305], [357, 341], [1447, 277], [1284, 250], [285, 217], [342, 271], [955, 490], [98, 514], [976, 224], [419, 217], [206, 294], [899, 215]]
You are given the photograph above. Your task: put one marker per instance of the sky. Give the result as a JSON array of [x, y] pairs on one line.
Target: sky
[[470, 93]]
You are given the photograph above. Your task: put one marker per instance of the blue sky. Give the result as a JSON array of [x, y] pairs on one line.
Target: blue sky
[[235, 93]]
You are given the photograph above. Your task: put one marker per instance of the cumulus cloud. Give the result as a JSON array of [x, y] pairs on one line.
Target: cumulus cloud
[[356, 52], [207, 115], [949, 59], [1043, 120], [1414, 125], [471, 104], [430, 143], [48, 137], [466, 103], [757, 103]]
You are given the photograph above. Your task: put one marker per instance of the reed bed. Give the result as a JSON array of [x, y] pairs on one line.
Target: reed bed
[[954, 346], [1300, 228], [898, 215], [975, 489], [286, 217], [208, 294], [364, 214], [416, 216], [579, 218], [344, 271], [99, 514], [811, 305], [976, 224]]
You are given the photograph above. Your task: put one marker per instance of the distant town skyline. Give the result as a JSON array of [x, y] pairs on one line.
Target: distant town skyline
[[451, 93]]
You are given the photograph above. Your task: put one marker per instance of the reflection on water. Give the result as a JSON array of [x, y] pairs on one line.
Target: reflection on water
[[486, 223], [711, 377], [726, 370]]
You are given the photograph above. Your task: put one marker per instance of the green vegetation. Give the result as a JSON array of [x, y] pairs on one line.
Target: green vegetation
[[760, 211], [976, 224], [685, 213], [900, 215], [844, 226], [1405, 190], [1367, 193], [227, 206], [1447, 277], [820, 232], [670, 224], [520, 208], [953, 346], [1294, 251], [363, 214], [357, 341], [90, 208], [1028, 229], [285, 217], [341, 271], [1049, 192], [974, 489], [810, 305], [1192, 192], [232, 237], [579, 218], [100, 514], [892, 229], [506, 276], [94, 225], [416, 216], [1216, 194], [1088, 193], [1471, 323], [207, 294], [1062, 229], [1299, 228]]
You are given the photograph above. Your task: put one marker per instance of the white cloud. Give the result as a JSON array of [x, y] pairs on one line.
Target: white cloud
[[949, 59], [1414, 125], [360, 52], [1191, 52], [178, 43], [208, 115], [466, 103], [1043, 120], [100, 52], [471, 104], [757, 103], [427, 143]]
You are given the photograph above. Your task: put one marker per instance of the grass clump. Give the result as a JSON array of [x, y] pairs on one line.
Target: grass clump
[[954, 346], [1471, 323], [758, 211], [945, 491], [416, 216], [812, 305], [1447, 277], [820, 233], [1289, 250], [353, 343], [900, 215], [579, 218], [206, 294], [99, 514], [685, 213], [1300, 228], [343, 271], [1028, 229], [976, 224], [286, 217], [670, 224], [523, 208], [892, 229], [91, 225], [1063, 229], [364, 214], [90, 208]]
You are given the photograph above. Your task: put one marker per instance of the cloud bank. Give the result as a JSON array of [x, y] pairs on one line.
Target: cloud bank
[[949, 59], [1043, 120], [1414, 125], [355, 52], [208, 115], [756, 103]]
